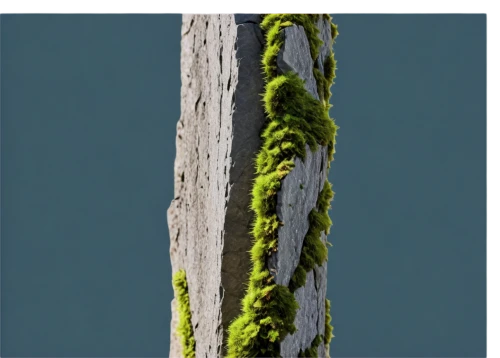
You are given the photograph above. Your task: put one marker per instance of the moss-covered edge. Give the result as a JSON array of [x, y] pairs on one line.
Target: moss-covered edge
[[314, 251], [295, 119], [184, 328], [328, 327]]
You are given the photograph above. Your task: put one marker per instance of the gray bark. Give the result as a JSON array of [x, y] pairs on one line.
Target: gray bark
[[218, 137]]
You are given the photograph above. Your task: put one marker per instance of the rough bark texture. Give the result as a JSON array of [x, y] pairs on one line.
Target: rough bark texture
[[217, 140], [175, 342]]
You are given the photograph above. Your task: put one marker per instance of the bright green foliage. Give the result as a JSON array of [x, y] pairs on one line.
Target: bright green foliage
[[185, 328], [268, 315], [274, 41], [295, 119], [312, 351], [304, 112]]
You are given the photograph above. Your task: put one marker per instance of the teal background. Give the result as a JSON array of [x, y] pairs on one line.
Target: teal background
[[158, 4], [89, 105]]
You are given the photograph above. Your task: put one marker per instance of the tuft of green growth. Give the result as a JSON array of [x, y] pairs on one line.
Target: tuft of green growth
[[185, 328], [274, 41], [333, 27], [312, 351], [295, 119], [314, 251], [328, 327], [273, 23], [334, 30], [304, 116]]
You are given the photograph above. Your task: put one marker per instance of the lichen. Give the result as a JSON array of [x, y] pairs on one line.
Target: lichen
[[184, 328], [294, 119]]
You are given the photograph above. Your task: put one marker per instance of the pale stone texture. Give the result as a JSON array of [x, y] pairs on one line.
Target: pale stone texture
[[217, 140], [175, 343]]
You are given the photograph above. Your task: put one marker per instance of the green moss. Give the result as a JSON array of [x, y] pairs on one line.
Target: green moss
[[185, 328], [334, 30], [304, 113], [295, 119], [304, 20], [314, 251], [330, 67], [312, 351], [321, 84], [328, 327]]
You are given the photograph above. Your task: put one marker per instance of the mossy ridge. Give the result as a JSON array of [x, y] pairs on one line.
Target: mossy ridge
[[184, 328], [272, 25], [328, 327], [268, 309], [314, 251]]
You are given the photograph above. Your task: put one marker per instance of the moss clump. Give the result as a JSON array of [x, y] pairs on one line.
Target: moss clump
[[268, 315], [295, 119], [185, 328], [307, 117], [273, 23], [314, 251], [312, 351]]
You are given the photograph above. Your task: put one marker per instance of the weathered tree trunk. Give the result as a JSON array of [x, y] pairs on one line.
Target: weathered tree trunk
[[218, 138]]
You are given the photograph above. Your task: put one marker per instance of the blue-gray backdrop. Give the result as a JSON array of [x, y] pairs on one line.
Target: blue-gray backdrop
[[89, 105]]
